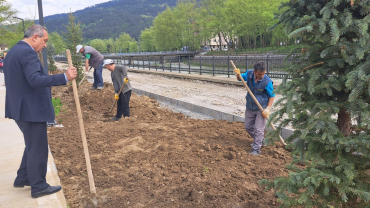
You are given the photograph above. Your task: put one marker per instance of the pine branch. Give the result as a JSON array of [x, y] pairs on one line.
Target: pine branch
[[311, 66]]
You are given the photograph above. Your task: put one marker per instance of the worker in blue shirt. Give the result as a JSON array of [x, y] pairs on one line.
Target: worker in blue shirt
[[262, 88]]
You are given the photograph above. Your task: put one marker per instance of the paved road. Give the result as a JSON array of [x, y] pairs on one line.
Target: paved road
[[11, 151]]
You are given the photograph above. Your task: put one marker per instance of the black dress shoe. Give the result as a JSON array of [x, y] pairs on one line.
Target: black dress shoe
[[49, 190], [20, 185]]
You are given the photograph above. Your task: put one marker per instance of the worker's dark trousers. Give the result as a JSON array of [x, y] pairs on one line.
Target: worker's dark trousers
[[98, 78], [35, 157], [123, 104]]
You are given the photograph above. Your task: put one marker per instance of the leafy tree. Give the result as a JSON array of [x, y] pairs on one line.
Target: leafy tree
[[58, 43], [73, 38], [212, 19], [329, 91], [125, 43], [147, 40], [99, 45], [6, 14]]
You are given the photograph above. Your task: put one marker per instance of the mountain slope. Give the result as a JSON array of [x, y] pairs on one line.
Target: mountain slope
[[111, 18]]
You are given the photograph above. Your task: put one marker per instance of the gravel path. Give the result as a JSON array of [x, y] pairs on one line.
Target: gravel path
[[222, 97]]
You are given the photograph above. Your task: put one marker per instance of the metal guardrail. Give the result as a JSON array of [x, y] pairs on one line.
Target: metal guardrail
[[210, 65]]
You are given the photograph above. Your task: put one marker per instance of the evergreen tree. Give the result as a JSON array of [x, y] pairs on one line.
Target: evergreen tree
[[51, 53], [327, 102], [73, 37]]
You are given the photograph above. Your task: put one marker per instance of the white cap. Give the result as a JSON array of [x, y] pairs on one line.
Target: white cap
[[108, 61], [78, 48]]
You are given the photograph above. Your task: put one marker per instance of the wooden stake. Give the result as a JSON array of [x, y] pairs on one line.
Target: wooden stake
[[254, 98], [82, 128]]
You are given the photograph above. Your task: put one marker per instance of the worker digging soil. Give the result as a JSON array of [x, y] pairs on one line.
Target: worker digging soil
[[122, 88], [255, 120]]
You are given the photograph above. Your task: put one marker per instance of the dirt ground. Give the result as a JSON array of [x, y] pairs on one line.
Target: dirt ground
[[158, 158], [222, 97]]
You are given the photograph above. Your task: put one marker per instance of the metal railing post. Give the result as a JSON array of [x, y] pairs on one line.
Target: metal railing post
[[149, 62], [155, 63], [179, 65], [200, 69], [170, 65], [163, 63], [213, 71], [228, 66], [189, 64], [267, 65], [246, 62]]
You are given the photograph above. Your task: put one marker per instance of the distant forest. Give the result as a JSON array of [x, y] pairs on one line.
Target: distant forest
[[110, 19]]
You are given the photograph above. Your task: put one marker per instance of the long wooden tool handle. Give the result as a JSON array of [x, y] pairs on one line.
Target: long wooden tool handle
[[246, 86], [84, 77], [254, 98], [82, 128], [114, 103]]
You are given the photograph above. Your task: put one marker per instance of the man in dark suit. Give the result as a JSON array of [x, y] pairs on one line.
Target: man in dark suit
[[28, 102]]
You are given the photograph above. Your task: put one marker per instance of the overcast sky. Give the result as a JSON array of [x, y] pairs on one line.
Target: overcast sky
[[29, 8]]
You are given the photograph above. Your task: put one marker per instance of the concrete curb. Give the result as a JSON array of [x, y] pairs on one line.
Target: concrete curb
[[216, 79], [216, 114]]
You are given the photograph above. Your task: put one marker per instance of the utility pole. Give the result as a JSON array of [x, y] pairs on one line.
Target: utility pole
[[44, 51], [24, 30]]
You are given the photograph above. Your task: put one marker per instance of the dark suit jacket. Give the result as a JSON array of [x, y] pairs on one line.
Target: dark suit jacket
[[28, 93]]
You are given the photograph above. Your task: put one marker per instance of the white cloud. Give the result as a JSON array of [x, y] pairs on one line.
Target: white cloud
[[29, 9]]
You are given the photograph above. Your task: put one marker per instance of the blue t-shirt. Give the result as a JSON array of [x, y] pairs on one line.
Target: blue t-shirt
[[269, 87]]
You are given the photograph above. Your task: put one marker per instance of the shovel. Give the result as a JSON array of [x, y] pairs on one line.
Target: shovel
[[84, 77], [255, 100]]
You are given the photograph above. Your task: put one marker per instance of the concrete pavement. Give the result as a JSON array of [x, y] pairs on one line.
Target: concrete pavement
[[216, 79], [11, 151]]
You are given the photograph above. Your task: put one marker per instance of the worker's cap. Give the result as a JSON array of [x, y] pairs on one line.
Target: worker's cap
[[108, 61], [78, 48]]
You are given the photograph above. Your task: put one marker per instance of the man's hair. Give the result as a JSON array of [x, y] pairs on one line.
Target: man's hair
[[260, 66], [35, 30]]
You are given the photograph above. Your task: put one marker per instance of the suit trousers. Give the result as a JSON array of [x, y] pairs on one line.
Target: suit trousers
[[123, 104], [255, 125], [35, 157]]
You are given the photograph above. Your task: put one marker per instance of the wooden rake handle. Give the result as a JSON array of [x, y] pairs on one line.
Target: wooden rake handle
[[82, 128], [84, 77], [255, 99]]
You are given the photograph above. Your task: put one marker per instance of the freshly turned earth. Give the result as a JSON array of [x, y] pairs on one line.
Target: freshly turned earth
[[158, 158]]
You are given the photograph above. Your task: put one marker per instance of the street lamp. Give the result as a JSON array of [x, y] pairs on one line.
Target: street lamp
[[24, 31]]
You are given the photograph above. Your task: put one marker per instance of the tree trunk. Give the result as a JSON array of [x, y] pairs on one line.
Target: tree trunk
[[344, 121]]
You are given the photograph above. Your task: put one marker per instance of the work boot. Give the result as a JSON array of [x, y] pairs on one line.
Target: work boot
[[254, 153], [115, 119], [100, 88]]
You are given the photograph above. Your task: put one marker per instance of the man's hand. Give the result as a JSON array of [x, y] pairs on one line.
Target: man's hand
[[237, 72], [71, 73], [126, 80], [116, 96], [266, 112]]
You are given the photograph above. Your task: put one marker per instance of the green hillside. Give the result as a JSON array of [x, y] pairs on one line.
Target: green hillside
[[111, 18]]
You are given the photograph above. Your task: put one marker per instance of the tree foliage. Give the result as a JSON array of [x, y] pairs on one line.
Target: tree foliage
[[57, 42], [73, 37], [327, 102], [193, 23]]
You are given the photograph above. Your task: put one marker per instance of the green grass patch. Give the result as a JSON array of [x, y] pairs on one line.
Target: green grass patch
[[57, 104]]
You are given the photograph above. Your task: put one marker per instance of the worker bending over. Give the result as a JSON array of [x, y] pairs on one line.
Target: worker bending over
[[119, 78], [262, 88]]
